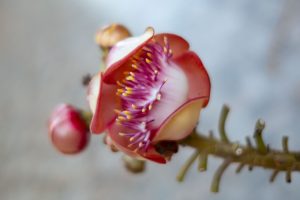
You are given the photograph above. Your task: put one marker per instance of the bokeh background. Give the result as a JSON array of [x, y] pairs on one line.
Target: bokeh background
[[251, 49]]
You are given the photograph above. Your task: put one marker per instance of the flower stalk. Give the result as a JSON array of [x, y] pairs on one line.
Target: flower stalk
[[245, 155]]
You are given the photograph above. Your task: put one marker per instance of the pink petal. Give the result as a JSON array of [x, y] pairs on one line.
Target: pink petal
[[123, 50], [93, 91], [177, 44], [181, 122], [199, 82], [121, 143], [107, 101]]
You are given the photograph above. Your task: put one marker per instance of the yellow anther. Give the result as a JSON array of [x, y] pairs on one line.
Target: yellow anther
[[148, 60], [135, 150], [122, 134], [134, 66], [170, 51], [146, 49], [140, 144], [144, 110], [130, 78], [149, 55], [119, 83], [126, 112], [128, 88], [165, 49], [165, 40], [158, 97], [121, 118], [117, 111], [131, 139], [124, 94], [129, 92], [132, 74], [133, 106], [150, 106]]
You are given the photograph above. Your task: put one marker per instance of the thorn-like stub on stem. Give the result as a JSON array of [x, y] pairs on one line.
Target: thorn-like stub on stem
[[259, 127], [285, 144], [202, 162], [288, 176], [274, 175], [222, 123], [218, 175]]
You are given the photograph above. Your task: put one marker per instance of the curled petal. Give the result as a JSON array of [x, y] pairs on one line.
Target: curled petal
[[122, 51], [107, 101], [181, 122], [199, 82], [177, 44]]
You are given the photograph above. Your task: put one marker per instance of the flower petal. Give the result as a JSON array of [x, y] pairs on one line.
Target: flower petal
[[93, 91], [121, 143], [199, 82], [178, 45], [120, 53], [174, 93], [107, 101], [181, 122]]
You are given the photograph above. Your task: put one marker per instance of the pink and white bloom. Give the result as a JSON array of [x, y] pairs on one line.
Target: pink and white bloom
[[152, 90]]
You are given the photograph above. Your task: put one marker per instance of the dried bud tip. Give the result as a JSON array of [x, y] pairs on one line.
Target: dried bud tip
[[86, 80]]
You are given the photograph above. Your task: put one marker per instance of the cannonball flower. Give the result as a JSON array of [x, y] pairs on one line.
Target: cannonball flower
[[67, 130], [152, 90]]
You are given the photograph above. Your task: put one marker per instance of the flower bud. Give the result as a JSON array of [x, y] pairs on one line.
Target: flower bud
[[108, 36], [133, 165], [68, 131]]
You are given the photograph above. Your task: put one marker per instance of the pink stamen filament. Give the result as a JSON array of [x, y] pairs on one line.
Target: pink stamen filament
[[139, 91]]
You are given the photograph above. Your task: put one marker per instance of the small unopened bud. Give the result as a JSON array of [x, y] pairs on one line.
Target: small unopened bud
[[133, 165], [107, 140], [68, 131], [109, 35]]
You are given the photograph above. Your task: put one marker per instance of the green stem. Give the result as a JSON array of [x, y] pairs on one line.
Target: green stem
[[273, 159]]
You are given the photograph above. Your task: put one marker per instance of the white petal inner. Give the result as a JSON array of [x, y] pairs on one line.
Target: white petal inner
[[173, 94]]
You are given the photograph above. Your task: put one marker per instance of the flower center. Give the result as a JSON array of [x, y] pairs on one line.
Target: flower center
[[140, 90]]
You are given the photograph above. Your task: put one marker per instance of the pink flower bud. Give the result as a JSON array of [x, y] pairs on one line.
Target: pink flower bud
[[68, 131]]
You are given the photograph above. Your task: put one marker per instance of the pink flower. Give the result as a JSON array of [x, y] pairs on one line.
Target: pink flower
[[68, 131], [151, 91]]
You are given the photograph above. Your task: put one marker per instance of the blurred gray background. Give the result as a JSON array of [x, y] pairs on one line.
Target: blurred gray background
[[251, 49]]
